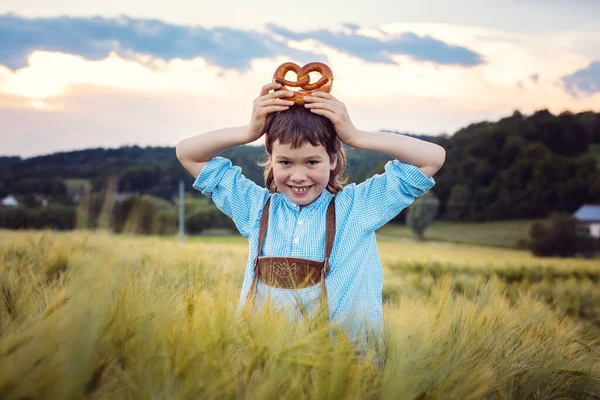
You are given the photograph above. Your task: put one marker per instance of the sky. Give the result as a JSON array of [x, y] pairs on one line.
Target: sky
[[77, 75]]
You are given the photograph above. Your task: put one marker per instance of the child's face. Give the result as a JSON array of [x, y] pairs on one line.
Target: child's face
[[301, 174]]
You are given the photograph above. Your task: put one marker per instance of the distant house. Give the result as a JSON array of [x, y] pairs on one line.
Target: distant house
[[589, 215], [10, 201]]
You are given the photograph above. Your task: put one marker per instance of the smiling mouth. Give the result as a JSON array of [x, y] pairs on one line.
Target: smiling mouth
[[300, 189]]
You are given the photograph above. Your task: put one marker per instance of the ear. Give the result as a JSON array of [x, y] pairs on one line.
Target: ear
[[334, 163]]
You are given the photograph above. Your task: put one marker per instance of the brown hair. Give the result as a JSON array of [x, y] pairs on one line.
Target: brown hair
[[298, 125]]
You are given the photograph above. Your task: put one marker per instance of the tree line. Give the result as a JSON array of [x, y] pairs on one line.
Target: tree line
[[517, 167]]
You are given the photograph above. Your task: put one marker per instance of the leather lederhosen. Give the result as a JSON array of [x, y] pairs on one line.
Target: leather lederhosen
[[293, 272]]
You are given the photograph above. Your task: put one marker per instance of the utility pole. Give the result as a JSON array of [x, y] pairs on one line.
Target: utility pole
[[181, 211]]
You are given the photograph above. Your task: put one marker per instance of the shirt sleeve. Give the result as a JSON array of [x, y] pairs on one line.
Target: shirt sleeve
[[381, 197], [235, 195]]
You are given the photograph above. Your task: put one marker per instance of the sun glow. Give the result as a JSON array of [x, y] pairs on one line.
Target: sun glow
[[38, 104]]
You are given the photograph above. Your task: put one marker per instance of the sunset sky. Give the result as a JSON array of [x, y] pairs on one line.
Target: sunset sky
[[77, 75]]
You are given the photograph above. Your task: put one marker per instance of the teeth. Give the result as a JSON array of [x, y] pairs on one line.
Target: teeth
[[300, 190]]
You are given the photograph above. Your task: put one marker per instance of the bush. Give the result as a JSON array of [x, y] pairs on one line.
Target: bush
[[421, 213], [561, 235], [209, 217], [165, 221], [14, 217], [145, 215], [55, 216], [133, 215], [60, 217], [201, 214]]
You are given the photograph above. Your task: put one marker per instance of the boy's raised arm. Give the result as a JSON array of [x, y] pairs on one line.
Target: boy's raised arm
[[194, 152], [428, 157]]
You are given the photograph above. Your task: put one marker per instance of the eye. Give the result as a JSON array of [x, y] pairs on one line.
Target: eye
[[313, 162], [284, 163]]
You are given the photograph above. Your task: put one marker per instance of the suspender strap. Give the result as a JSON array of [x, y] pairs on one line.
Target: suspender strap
[[330, 232], [264, 223], [329, 238]]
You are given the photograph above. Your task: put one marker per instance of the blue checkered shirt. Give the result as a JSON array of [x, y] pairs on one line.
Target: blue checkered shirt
[[354, 285]]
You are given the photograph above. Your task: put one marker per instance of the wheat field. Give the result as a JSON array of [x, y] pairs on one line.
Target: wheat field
[[98, 316]]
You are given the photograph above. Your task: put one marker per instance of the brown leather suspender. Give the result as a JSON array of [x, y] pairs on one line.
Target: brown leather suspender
[[293, 272]]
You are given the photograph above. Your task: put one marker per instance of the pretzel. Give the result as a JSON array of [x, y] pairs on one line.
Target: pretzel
[[303, 80]]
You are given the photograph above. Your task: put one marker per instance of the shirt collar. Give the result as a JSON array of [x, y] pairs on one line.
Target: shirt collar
[[324, 196]]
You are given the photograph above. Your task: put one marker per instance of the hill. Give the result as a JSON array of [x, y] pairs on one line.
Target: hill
[[520, 167]]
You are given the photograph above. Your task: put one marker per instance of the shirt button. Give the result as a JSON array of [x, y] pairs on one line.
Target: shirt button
[[296, 240], [300, 222]]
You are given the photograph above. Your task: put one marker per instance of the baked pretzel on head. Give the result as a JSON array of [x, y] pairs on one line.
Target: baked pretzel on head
[[303, 81]]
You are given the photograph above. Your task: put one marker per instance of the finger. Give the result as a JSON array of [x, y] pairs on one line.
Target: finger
[[279, 93], [272, 109], [324, 95], [275, 102], [318, 99], [322, 106], [325, 113], [274, 95], [268, 87]]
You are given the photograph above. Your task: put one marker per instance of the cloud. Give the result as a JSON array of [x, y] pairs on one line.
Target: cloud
[[122, 81], [351, 26], [96, 37], [423, 48], [585, 80]]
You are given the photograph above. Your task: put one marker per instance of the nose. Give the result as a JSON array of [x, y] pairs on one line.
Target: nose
[[297, 176]]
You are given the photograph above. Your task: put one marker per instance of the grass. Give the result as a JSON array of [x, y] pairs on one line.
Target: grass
[[497, 234], [91, 315], [504, 234], [456, 255]]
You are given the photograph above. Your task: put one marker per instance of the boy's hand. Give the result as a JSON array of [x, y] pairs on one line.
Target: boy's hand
[[265, 104], [325, 104]]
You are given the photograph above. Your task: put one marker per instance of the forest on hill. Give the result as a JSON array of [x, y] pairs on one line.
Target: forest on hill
[[514, 168]]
